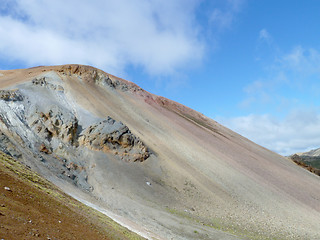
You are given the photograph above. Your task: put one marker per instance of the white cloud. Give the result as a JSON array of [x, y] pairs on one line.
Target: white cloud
[[299, 131], [267, 84], [158, 36], [302, 60], [264, 91], [295, 57], [222, 18], [265, 35], [288, 75], [292, 82], [236, 5]]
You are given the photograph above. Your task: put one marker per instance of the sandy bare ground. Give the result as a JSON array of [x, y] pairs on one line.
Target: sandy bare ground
[[207, 182]]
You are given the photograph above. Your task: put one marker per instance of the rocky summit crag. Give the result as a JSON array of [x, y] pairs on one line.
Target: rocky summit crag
[[38, 120]]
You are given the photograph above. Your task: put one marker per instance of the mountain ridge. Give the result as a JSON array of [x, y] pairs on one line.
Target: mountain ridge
[[309, 160]]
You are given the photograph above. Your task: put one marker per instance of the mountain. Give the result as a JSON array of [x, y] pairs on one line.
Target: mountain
[[309, 160], [311, 153], [160, 168]]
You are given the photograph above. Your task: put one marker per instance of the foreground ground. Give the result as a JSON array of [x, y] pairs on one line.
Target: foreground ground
[[32, 208]]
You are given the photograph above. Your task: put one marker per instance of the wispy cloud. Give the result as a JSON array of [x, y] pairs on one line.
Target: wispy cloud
[[299, 131], [264, 90], [296, 71], [286, 119], [158, 36], [302, 60], [264, 35], [266, 48], [223, 17], [266, 84]]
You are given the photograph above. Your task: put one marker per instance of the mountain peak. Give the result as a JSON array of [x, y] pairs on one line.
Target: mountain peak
[[152, 161]]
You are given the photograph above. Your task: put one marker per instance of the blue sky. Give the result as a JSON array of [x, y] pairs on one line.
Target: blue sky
[[252, 65]]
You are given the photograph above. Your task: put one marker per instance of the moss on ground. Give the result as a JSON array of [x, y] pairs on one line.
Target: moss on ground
[[231, 228]]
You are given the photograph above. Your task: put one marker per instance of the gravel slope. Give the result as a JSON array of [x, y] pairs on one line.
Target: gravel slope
[[201, 180]]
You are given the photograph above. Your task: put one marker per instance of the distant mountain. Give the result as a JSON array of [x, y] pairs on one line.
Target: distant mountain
[[309, 160], [157, 167], [311, 153]]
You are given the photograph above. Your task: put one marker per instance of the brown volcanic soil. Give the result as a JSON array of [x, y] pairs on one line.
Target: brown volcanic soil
[[35, 209]]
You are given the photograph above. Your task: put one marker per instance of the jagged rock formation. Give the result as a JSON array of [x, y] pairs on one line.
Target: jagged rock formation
[[114, 137], [107, 135], [89, 74], [40, 118], [8, 147], [57, 122], [11, 95], [43, 83]]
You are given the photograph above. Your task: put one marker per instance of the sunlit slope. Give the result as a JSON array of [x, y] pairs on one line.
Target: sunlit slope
[[198, 172]]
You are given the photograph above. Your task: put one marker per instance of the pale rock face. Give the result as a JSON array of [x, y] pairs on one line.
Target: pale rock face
[[57, 123], [43, 83], [11, 95], [8, 147], [45, 122], [114, 137]]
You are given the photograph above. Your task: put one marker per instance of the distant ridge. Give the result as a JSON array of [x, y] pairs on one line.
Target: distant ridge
[[309, 160]]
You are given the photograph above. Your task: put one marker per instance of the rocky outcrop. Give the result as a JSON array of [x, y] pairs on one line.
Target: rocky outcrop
[[114, 137], [57, 122], [40, 126], [8, 147], [42, 81], [105, 80], [108, 135], [43, 148], [76, 171], [90, 74], [11, 95]]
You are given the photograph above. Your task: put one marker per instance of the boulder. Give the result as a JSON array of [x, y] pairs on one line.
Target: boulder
[[57, 122], [114, 137]]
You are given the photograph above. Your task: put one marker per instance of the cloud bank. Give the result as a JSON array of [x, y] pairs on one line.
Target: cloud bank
[[288, 92], [299, 131], [158, 36]]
